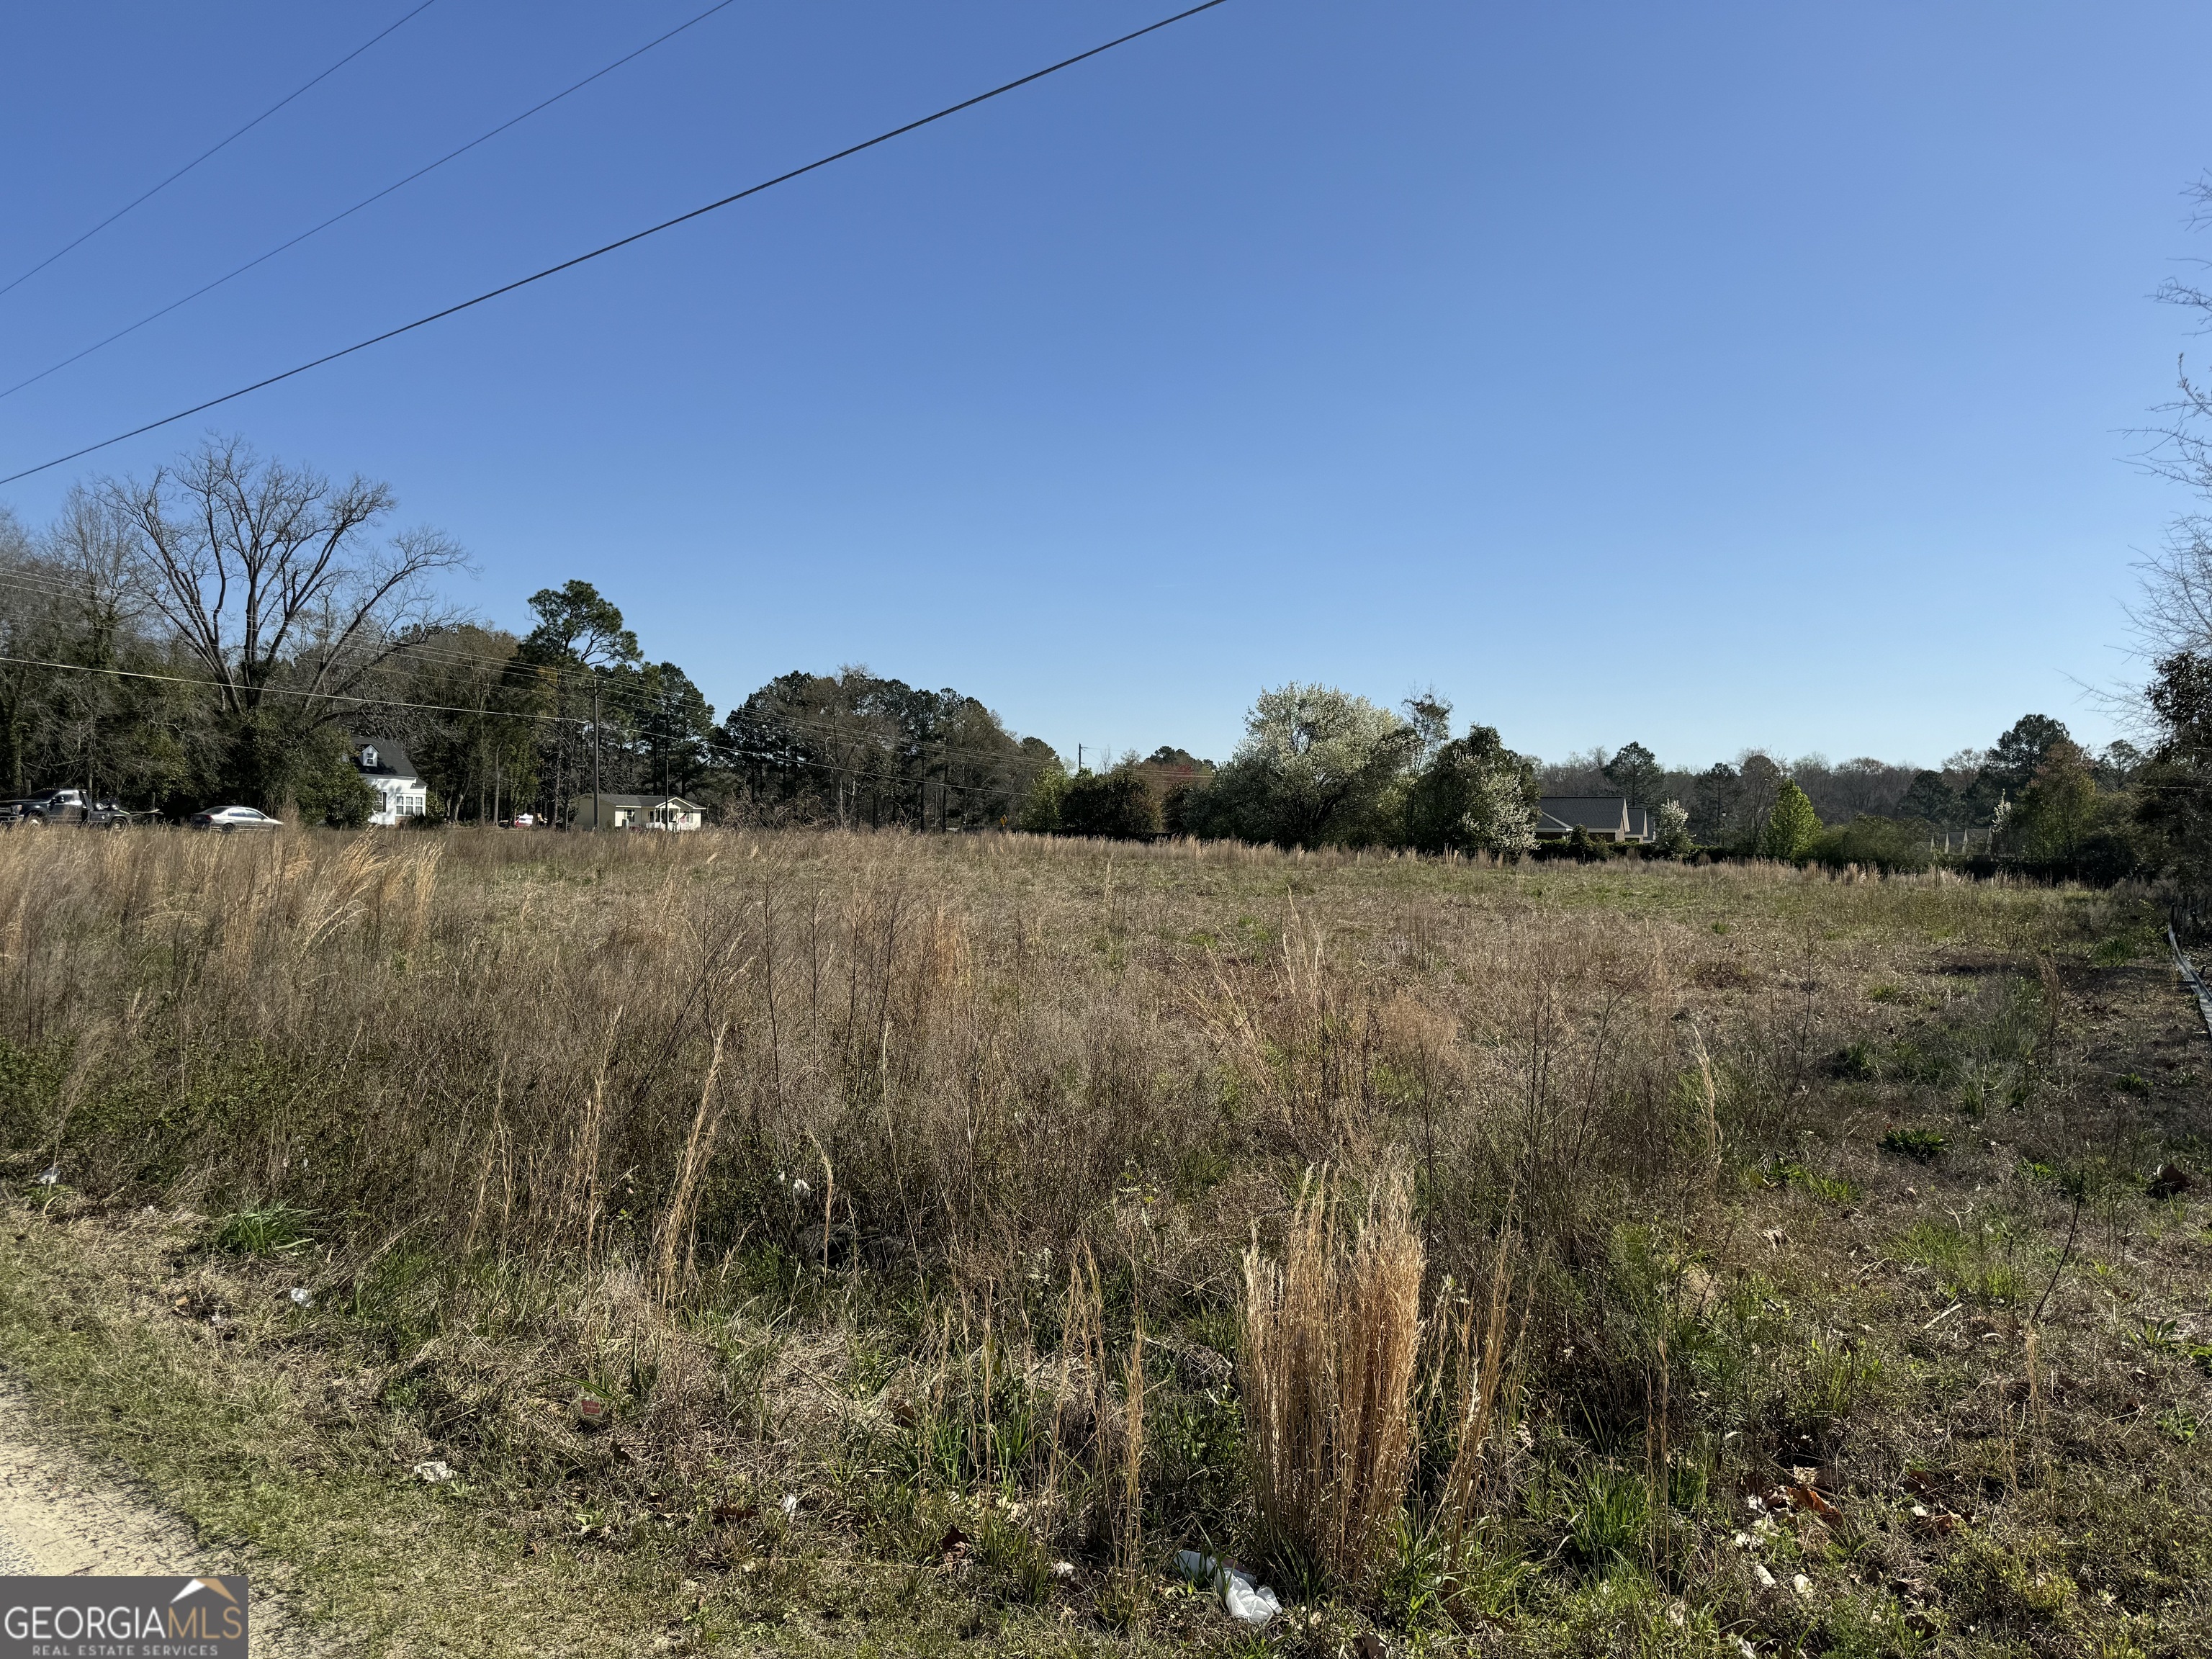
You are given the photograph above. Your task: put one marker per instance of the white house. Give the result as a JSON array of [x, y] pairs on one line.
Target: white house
[[605, 812], [385, 768]]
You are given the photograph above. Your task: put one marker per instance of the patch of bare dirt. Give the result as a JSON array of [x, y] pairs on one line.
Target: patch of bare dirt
[[61, 1516]]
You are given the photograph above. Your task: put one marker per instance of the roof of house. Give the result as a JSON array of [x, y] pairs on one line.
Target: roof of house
[[608, 798], [1609, 812], [389, 759]]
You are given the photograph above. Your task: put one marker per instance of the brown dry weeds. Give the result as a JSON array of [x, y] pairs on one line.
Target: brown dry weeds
[[856, 1163]]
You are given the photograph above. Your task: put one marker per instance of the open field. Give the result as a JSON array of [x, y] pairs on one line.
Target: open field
[[1689, 1231]]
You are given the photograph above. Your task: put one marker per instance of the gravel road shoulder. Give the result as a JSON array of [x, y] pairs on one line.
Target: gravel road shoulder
[[60, 1514]]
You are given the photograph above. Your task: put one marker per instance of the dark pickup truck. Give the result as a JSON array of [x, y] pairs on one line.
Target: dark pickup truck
[[63, 806]]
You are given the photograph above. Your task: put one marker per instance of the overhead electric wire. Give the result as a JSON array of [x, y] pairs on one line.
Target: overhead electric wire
[[621, 694], [148, 195], [623, 697], [616, 696], [207, 685], [366, 201], [622, 242], [448, 708], [633, 697]]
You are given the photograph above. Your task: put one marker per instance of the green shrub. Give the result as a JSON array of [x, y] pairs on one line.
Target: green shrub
[[1874, 843], [326, 788], [1117, 805], [1040, 811], [1791, 824]]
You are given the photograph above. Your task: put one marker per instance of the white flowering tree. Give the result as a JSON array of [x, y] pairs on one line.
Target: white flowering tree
[[1502, 818], [1476, 796], [1317, 765]]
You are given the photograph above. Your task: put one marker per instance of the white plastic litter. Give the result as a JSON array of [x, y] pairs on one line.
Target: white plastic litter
[[1241, 1599], [1063, 1569], [301, 1299], [1765, 1579], [434, 1472], [50, 1175], [790, 1505]]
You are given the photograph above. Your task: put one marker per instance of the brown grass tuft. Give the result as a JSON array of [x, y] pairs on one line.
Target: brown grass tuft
[[1330, 1338]]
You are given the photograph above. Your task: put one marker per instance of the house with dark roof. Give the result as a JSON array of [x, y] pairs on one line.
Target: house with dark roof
[[384, 767], [1606, 818]]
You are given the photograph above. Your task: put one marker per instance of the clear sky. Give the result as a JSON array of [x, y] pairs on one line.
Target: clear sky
[[1709, 376]]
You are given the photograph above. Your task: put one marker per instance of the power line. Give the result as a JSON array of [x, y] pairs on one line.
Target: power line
[[148, 195], [448, 709], [621, 242], [366, 201], [713, 740], [633, 699], [280, 690]]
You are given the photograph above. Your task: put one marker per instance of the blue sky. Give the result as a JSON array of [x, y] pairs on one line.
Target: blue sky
[[1709, 376]]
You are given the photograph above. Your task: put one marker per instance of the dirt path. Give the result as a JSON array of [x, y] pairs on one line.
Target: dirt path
[[61, 1515]]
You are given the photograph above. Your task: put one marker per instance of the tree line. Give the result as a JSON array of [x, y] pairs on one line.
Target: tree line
[[1319, 766], [233, 627]]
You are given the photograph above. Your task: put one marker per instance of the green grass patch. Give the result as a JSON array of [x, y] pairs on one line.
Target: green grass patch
[[274, 1230], [1921, 1145], [1829, 1189], [1988, 1263]]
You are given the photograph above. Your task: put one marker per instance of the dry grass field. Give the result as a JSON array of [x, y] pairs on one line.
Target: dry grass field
[[882, 1244]]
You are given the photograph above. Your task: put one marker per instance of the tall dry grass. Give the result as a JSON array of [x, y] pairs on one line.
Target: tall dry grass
[[642, 1079], [1329, 1339]]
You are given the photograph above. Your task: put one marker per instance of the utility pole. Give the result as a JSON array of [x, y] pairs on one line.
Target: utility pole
[[595, 751]]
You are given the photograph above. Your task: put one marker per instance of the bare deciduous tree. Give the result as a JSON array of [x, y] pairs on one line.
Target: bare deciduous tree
[[2175, 610], [90, 550], [274, 581]]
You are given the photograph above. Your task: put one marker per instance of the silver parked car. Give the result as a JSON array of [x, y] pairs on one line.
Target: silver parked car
[[232, 818]]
